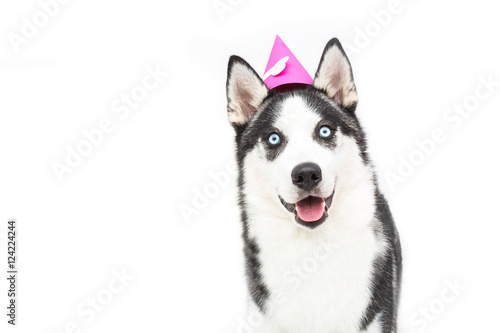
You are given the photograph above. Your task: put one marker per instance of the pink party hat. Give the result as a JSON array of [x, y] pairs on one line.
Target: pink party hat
[[283, 68]]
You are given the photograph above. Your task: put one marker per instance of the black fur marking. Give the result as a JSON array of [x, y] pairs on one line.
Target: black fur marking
[[273, 151], [257, 288], [385, 295], [339, 117], [325, 142], [258, 129]]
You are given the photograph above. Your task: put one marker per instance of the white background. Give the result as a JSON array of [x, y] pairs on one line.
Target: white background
[[120, 208]]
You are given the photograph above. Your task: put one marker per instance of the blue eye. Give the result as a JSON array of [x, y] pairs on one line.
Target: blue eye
[[274, 139], [325, 132]]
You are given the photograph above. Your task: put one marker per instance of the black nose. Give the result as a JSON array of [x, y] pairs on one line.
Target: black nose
[[306, 176]]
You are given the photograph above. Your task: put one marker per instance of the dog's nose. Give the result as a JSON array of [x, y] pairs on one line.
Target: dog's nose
[[306, 176]]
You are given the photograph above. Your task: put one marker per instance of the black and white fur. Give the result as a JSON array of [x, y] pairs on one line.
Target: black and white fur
[[350, 262]]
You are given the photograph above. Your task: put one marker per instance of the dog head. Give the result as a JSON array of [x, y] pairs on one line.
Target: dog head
[[296, 145]]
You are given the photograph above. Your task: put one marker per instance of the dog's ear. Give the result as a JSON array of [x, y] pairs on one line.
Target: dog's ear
[[245, 91], [334, 76]]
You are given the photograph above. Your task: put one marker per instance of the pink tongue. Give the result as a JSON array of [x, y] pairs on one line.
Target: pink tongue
[[310, 209]]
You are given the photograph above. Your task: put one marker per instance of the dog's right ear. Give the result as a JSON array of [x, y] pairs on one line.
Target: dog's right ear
[[245, 91]]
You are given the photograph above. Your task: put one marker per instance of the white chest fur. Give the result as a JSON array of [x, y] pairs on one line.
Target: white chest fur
[[318, 284]]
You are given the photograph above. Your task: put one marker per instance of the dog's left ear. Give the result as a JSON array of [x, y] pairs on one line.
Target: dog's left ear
[[334, 76], [245, 91]]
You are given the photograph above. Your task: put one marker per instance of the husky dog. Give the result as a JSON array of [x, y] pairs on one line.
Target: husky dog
[[321, 249]]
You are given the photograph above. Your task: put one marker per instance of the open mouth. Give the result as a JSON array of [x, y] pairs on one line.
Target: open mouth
[[310, 211]]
